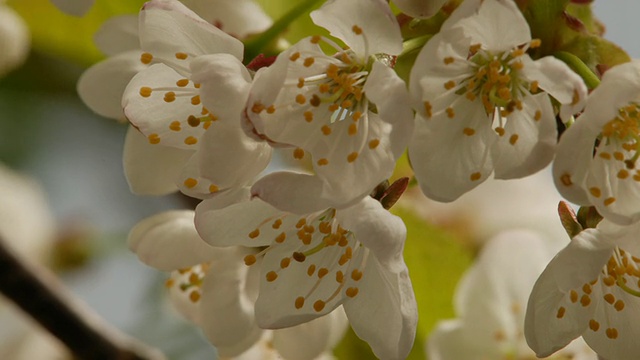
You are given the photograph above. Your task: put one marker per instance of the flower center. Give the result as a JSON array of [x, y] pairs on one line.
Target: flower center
[[188, 282], [328, 255], [625, 129]]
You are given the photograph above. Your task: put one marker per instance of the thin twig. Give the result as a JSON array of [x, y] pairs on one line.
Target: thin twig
[[41, 294]]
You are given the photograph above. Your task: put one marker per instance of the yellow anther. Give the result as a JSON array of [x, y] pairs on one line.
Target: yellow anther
[[175, 126], [299, 302], [513, 139], [333, 107], [315, 39], [300, 82], [318, 305], [618, 156], [576, 97], [343, 259], [195, 100], [374, 143], [449, 84], [191, 183], [474, 48], [533, 87], [170, 96], [619, 305], [326, 130], [257, 108], [323, 162], [145, 91], [250, 260], [280, 238], [182, 82], [561, 312], [213, 189], [586, 288], [308, 116], [315, 100], [468, 131], [448, 60], [352, 292], [339, 277], [612, 333], [300, 99], [181, 56], [308, 61], [298, 153], [169, 283], [295, 56], [276, 224], [190, 140], [311, 269], [353, 129], [322, 272], [299, 257], [585, 300], [284, 263], [450, 113], [475, 176], [194, 296], [271, 109], [594, 325], [352, 157], [565, 179], [573, 296], [323, 88], [154, 139], [535, 43], [609, 201], [427, 109], [301, 223], [146, 58], [357, 29], [254, 234], [356, 274], [271, 276], [623, 174], [595, 191]]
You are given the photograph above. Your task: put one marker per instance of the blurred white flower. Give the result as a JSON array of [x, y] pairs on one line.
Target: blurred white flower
[[15, 40], [490, 302]]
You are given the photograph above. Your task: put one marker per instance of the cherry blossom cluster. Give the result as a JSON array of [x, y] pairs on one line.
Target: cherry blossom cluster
[[288, 257]]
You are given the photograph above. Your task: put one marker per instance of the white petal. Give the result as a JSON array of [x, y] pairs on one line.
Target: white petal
[[14, 40], [74, 7], [309, 340], [118, 34], [419, 8], [226, 306], [101, 86], [168, 27], [150, 169], [528, 145], [165, 121], [292, 192], [498, 25], [559, 81], [380, 29], [578, 263], [238, 18], [191, 182], [448, 163], [574, 154], [233, 223], [378, 230], [169, 241], [384, 313]]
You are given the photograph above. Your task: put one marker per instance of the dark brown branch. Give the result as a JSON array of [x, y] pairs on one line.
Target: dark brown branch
[[41, 295]]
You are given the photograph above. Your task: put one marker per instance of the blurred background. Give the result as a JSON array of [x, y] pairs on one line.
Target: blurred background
[[75, 209]]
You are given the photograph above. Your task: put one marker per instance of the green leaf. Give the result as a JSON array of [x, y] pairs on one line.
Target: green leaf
[[436, 262]]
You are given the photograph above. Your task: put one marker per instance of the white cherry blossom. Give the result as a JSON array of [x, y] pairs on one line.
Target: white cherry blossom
[[213, 289], [199, 82], [483, 105], [598, 155], [348, 109], [309, 265], [490, 301], [590, 289]]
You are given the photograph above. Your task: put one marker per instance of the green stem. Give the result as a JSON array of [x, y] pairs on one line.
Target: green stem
[[576, 64], [414, 44], [257, 45]]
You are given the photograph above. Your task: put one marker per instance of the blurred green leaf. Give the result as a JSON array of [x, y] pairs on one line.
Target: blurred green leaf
[[56, 33], [436, 262]]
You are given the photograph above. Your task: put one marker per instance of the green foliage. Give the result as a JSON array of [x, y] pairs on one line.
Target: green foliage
[[436, 262]]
